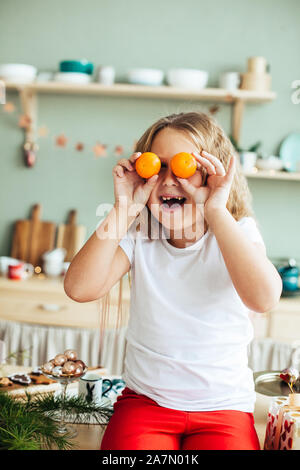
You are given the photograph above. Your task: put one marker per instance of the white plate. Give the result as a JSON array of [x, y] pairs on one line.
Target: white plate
[[290, 152]]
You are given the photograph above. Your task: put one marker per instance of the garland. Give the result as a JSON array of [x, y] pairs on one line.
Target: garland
[[31, 423]]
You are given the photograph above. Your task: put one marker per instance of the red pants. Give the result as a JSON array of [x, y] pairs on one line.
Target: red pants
[[139, 423]]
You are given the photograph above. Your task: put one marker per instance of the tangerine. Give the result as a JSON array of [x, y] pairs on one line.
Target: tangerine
[[147, 165], [183, 165]]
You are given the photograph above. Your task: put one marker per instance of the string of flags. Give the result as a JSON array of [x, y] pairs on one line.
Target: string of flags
[[99, 149]]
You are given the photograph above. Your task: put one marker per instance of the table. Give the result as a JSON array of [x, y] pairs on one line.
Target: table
[[89, 436]]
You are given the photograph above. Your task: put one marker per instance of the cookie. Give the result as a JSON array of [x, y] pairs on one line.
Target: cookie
[[41, 380], [20, 379], [5, 382]]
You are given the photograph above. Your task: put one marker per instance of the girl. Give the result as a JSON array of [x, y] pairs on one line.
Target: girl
[[187, 381]]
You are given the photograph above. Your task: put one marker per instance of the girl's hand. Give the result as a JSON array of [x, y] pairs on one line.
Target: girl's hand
[[129, 187], [216, 192]]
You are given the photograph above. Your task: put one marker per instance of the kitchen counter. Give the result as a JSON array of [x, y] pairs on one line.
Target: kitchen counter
[[37, 315], [43, 301]]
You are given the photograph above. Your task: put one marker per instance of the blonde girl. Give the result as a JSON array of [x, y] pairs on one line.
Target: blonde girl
[[193, 283]]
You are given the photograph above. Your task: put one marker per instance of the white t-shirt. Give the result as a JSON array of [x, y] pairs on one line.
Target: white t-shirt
[[188, 330]]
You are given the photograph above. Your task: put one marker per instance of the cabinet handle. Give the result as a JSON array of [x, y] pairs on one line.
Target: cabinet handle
[[52, 307]]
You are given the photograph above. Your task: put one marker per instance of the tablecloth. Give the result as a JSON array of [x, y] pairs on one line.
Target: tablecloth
[[41, 343]]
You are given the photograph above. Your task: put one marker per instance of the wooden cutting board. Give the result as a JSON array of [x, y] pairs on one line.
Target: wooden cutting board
[[71, 236], [32, 238]]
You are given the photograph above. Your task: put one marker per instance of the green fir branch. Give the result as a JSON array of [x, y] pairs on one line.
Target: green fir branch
[[30, 423]]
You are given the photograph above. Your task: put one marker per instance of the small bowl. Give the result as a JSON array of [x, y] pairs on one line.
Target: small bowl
[[270, 163], [151, 77], [57, 254], [18, 72], [78, 66], [187, 78]]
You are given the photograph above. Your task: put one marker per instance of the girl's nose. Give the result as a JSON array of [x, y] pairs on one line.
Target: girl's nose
[[168, 177]]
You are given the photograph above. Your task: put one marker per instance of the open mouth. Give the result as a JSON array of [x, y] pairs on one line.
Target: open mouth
[[172, 203]]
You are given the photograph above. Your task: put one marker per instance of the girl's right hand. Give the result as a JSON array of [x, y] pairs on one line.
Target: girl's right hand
[[128, 185]]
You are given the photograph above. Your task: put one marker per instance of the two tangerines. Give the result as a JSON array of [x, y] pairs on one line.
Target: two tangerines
[[183, 165]]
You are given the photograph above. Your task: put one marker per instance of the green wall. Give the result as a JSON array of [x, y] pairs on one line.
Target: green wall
[[216, 36]]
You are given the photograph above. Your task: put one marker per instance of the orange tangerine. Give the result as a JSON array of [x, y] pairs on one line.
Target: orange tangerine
[[147, 165], [183, 165]]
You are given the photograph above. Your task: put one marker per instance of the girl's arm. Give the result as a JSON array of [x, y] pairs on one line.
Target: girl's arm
[[255, 278], [101, 262]]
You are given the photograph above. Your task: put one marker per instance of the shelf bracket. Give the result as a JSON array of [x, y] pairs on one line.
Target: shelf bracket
[[28, 122], [29, 107], [237, 117]]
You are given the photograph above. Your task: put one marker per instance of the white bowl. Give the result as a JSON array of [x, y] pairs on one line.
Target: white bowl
[[53, 268], [187, 78], [270, 163], [18, 72], [152, 77], [57, 254], [72, 77]]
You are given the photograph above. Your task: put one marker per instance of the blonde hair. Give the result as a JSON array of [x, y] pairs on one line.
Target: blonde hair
[[207, 135]]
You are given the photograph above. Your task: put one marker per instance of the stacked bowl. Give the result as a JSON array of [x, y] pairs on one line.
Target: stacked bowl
[[74, 71]]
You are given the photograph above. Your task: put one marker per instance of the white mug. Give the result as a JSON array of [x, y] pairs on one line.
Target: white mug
[[5, 261], [106, 75], [20, 270], [248, 160], [91, 387], [230, 81], [53, 268]]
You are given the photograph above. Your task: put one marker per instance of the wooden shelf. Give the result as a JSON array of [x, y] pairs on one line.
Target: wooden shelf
[[238, 98], [168, 92], [273, 175]]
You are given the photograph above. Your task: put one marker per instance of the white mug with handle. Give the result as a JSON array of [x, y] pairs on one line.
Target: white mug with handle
[[91, 387]]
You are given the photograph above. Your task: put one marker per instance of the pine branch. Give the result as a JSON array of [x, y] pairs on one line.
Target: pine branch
[[29, 423], [76, 408]]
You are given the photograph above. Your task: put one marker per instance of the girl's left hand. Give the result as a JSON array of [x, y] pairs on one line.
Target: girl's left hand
[[216, 192]]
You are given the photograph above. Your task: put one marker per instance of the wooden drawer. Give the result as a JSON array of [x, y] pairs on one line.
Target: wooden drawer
[[51, 312], [285, 326]]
